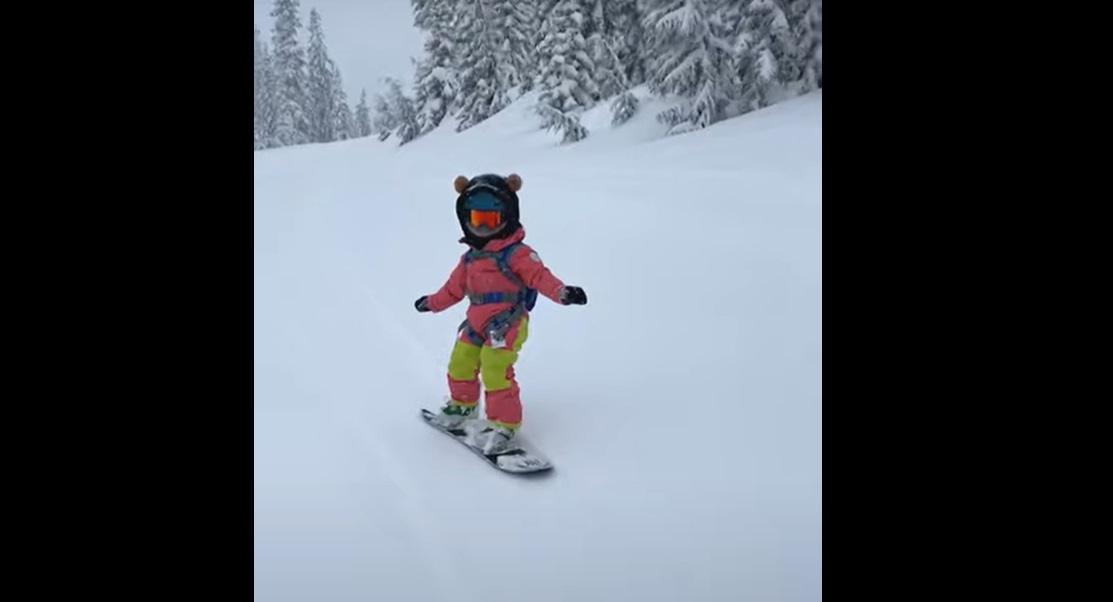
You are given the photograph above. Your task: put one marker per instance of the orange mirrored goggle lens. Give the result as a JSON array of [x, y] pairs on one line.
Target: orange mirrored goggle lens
[[491, 219]]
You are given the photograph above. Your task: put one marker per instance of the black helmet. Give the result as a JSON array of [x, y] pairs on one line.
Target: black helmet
[[487, 207]]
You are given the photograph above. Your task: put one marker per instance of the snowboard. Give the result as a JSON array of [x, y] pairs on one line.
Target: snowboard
[[519, 459]]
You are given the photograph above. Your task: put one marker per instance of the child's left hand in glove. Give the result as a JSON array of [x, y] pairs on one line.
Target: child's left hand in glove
[[573, 295]]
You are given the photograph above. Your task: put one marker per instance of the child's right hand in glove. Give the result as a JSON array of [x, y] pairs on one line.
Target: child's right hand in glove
[[422, 304], [573, 295]]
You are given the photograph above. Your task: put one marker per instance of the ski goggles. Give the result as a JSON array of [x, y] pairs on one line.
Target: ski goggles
[[484, 210], [489, 219]]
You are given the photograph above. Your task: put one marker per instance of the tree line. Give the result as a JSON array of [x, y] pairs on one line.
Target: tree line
[[714, 59], [299, 92], [717, 58]]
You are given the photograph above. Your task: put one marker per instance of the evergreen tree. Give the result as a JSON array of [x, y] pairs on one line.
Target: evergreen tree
[[568, 75], [407, 120], [625, 36], [594, 27], [484, 74], [363, 117], [764, 52], [624, 108], [260, 79], [808, 30], [436, 80], [515, 20], [343, 121], [266, 99], [321, 96], [384, 120], [395, 114], [290, 74], [692, 60]]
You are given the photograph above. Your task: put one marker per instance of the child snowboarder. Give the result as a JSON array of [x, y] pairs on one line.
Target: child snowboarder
[[501, 276]]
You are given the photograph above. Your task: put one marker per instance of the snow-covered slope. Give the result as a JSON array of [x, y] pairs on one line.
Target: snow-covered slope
[[683, 406]]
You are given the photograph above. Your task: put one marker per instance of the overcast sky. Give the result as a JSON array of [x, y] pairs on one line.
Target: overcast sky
[[368, 39]]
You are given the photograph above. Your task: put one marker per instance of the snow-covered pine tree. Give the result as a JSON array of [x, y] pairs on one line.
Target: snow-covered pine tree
[[435, 79], [382, 120], [289, 67], [691, 59], [343, 122], [407, 120], [266, 99], [544, 9], [483, 72], [626, 34], [363, 116], [613, 32], [609, 72], [516, 21], [258, 88], [599, 31], [320, 95], [541, 9], [766, 54], [808, 29], [393, 114], [624, 108], [568, 77]]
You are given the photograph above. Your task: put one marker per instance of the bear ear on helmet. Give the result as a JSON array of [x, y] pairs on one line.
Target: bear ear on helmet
[[461, 184], [513, 181]]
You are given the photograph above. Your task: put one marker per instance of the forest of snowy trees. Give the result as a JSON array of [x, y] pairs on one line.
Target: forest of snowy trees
[[716, 59], [299, 94]]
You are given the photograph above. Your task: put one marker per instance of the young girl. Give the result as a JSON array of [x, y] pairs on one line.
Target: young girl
[[501, 276]]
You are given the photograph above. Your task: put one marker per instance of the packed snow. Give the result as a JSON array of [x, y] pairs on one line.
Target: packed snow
[[682, 407]]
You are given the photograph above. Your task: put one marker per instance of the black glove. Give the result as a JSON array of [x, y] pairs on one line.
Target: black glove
[[573, 295], [422, 304]]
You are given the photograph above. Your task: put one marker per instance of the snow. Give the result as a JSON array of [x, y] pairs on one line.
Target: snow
[[682, 407]]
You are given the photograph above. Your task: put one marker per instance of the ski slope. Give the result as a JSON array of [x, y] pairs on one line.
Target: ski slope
[[682, 407]]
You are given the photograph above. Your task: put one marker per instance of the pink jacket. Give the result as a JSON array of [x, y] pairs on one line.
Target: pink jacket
[[480, 277]]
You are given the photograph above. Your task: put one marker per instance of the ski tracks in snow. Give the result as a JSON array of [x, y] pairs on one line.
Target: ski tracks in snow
[[411, 507], [410, 502]]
